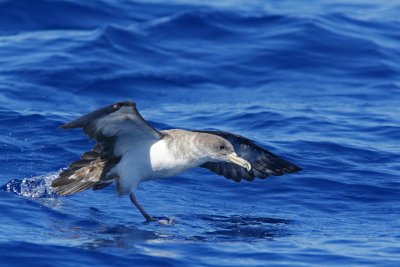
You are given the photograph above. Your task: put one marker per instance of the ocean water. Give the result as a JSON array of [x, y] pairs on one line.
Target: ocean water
[[315, 82]]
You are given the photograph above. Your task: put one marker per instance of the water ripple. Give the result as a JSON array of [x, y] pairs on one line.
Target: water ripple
[[316, 84]]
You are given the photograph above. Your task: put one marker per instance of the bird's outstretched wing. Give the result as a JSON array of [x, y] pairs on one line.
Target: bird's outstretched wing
[[115, 121], [263, 162], [116, 129]]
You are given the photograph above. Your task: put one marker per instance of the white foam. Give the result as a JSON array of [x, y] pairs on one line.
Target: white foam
[[35, 187]]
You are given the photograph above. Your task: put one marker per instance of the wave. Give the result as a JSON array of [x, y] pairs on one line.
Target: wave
[[262, 47]]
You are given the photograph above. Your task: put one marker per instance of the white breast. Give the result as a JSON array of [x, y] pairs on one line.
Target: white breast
[[165, 163]]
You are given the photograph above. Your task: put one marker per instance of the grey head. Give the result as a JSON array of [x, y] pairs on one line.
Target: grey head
[[216, 149]]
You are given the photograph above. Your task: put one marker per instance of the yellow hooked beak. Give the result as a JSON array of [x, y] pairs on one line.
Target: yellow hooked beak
[[239, 161]]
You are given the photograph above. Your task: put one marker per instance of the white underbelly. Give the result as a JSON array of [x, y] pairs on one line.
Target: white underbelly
[[133, 168]]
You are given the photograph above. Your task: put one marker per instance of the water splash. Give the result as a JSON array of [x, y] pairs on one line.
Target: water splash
[[35, 187], [166, 220]]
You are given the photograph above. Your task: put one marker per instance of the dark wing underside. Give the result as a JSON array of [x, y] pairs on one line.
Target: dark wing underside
[[263, 162], [116, 128]]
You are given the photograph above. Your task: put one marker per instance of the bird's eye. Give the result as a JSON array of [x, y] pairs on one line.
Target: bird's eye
[[221, 147]]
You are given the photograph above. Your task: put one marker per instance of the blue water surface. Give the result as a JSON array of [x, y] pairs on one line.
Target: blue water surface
[[316, 82]]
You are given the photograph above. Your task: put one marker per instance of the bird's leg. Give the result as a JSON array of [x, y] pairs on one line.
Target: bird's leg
[[144, 213]]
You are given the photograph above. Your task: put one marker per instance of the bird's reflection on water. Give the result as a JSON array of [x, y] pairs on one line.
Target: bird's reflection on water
[[94, 234]]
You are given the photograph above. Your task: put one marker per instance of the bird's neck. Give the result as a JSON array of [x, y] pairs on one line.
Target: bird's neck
[[184, 145]]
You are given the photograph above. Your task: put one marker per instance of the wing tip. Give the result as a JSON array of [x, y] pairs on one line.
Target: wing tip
[[284, 169], [294, 168], [123, 103], [82, 121], [65, 126]]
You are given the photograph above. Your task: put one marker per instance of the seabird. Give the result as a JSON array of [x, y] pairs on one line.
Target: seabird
[[129, 151]]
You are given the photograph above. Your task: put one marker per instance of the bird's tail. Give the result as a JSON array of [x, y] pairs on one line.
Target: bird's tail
[[82, 174]]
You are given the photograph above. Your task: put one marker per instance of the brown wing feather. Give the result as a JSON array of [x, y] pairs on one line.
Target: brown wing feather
[[78, 178]]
